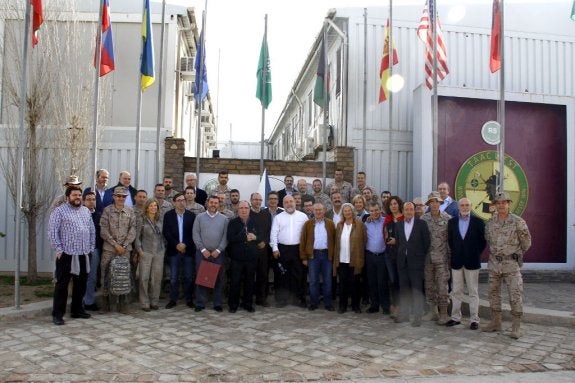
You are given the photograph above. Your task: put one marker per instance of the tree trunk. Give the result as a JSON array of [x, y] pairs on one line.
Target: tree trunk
[[33, 205]]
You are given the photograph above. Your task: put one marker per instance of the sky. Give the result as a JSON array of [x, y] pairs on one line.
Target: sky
[[234, 32]]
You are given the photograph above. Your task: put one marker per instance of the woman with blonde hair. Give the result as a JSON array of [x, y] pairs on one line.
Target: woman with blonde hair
[[359, 206], [348, 259], [150, 247]]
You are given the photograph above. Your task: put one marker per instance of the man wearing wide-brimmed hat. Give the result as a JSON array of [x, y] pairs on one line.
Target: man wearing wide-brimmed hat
[[437, 261], [508, 237], [61, 199]]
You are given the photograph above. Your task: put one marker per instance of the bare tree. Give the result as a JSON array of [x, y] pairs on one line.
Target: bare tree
[[58, 115]]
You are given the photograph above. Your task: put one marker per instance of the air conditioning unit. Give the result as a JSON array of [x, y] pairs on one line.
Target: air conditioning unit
[[187, 71]]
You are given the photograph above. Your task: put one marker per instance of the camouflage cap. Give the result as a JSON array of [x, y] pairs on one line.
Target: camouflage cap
[[120, 190], [503, 196], [433, 196]]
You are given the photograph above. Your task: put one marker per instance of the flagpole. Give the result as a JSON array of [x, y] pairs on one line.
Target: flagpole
[[264, 95], [502, 101], [20, 167], [139, 113], [390, 98], [434, 105], [325, 102], [160, 90], [97, 94], [364, 130], [200, 91]]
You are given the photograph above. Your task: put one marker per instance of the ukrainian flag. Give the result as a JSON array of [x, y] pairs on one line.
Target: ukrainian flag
[[147, 66]]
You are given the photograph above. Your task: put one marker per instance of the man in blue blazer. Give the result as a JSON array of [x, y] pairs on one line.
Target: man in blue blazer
[[413, 241], [180, 249], [466, 238]]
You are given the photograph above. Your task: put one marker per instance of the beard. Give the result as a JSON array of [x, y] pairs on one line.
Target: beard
[[76, 202]]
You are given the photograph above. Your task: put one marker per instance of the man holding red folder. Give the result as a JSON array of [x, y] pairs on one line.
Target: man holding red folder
[[209, 233]]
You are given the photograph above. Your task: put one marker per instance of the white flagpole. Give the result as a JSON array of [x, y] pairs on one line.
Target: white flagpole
[[264, 80], [97, 94], [139, 112], [20, 167], [434, 105], [390, 98], [325, 101], [200, 89], [159, 121], [502, 102], [364, 111]]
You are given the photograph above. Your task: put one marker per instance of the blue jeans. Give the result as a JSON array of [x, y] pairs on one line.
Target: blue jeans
[[89, 297], [201, 290], [176, 261], [320, 265]]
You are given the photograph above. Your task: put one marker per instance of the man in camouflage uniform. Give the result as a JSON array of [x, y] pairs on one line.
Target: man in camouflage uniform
[[118, 230], [508, 237], [437, 261]]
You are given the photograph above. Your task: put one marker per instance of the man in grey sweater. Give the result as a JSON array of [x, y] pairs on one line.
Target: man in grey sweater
[[209, 235]]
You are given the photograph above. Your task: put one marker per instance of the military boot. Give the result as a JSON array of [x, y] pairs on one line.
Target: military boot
[[515, 325], [495, 324], [443, 317], [432, 314], [106, 303]]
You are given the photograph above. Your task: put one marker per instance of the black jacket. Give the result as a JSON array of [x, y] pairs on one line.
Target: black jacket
[[239, 249], [466, 252], [411, 253], [171, 233]]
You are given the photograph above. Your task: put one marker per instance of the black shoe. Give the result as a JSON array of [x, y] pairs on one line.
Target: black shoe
[[232, 310], [81, 314], [312, 307], [357, 310], [154, 307], [416, 322], [329, 308], [218, 309], [386, 312], [249, 309], [474, 326], [58, 321], [171, 304], [146, 309], [198, 309], [452, 323], [280, 305], [92, 307], [262, 303], [400, 319], [372, 310], [190, 305], [341, 310]]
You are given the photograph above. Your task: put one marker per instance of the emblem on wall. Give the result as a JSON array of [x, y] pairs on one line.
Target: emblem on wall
[[477, 180]]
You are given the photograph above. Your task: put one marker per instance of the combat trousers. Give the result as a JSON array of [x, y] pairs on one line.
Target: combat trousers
[[107, 257], [436, 278], [505, 268]]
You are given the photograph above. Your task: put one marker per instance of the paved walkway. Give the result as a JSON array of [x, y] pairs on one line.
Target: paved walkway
[[289, 344]]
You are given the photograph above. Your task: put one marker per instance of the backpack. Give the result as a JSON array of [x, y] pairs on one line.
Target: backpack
[[120, 278]]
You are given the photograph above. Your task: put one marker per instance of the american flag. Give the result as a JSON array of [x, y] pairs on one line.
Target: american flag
[[425, 33]]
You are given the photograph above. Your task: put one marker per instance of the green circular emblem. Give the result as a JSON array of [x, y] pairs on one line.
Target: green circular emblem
[[477, 180], [491, 132]]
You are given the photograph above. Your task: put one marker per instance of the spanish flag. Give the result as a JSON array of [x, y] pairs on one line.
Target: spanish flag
[[37, 19], [384, 67]]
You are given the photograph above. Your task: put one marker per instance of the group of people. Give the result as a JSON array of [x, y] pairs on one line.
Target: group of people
[[336, 243]]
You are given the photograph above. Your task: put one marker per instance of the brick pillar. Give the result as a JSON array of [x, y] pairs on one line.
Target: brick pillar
[[344, 161], [174, 150]]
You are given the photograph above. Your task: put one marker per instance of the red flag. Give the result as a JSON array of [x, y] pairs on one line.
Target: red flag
[[384, 67], [37, 19], [495, 56], [425, 33]]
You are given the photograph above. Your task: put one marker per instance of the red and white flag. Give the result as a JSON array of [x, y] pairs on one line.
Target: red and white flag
[[425, 33], [37, 20]]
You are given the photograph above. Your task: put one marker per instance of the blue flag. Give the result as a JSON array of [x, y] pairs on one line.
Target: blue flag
[[200, 63]]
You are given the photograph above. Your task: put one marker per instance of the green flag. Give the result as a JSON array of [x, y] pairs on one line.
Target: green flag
[[573, 12], [322, 75], [264, 92]]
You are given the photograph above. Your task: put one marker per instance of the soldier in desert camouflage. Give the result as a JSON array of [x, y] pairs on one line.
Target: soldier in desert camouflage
[[508, 238]]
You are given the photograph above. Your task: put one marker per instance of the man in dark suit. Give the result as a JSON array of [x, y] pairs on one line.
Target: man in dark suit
[[201, 195], [102, 176], [180, 249], [466, 238], [124, 180], [413, 243]]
